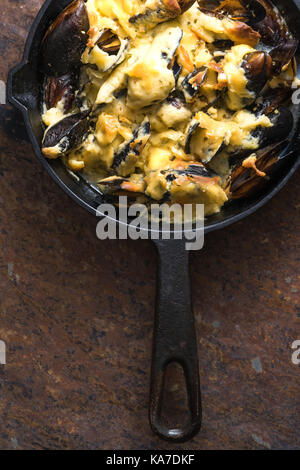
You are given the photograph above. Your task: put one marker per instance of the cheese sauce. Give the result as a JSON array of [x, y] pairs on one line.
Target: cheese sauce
[[174, 86]]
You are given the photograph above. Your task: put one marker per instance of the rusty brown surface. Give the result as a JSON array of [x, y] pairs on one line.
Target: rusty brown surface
[[76, 313]]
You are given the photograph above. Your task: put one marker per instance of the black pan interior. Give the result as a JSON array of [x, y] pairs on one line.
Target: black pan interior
[[25, 91]]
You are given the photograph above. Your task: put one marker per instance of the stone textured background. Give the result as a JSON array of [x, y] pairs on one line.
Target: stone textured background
[[76, 313]]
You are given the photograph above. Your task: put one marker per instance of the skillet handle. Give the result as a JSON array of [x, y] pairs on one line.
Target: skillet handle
[[23, 87], [174, 339]]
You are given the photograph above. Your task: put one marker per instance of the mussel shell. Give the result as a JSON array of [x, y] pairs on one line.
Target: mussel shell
[[67, 134], [283, 123], [258, 70], [195, 173], [117, 185], [109, 42], [114, 47], [193, 127], [81, 99], [272, 29], [60, 88], [160, 11], [271, 99], [177, 69], [245, 182], [191, 170], [119, 56], [169, 41], [283, 54], [176, 99], [254, 12], [114, 183], [185, 4], [211, 149], [237, 31], [248, 11], [223, 44], [129, 151], [192, 84], [65, 40], [190, 177]]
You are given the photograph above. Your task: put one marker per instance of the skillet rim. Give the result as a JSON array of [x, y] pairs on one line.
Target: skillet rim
[[218, 225]]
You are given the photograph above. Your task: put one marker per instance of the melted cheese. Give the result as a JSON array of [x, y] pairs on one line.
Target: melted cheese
[[210, 28], [213, 134], [146, 73], [53, 115], [150, 78], [211, 195], [171, 116], [121, 10], [237, 82], [159, 158]]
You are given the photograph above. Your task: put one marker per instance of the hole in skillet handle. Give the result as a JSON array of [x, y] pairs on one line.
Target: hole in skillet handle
[[175, 411], [174, 341]]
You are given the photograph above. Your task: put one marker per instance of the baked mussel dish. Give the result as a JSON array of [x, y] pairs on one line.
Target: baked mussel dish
[[172, 101]]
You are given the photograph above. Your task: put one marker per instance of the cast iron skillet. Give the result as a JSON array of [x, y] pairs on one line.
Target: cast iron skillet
[[174, 332]]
